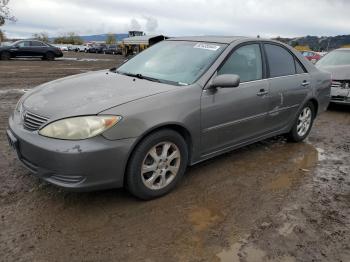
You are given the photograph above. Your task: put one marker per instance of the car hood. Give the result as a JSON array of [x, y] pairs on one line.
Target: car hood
[[88, 94], [341, 72]]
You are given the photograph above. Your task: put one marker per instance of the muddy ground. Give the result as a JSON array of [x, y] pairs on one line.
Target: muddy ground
[[271, 201]]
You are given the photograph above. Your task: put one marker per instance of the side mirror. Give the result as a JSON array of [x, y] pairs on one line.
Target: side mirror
[[225, 81]]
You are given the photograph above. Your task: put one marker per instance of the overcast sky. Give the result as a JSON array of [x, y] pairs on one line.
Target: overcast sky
[[267, 18]]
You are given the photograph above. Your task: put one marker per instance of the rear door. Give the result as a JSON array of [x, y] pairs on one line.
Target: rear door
[[231, 116], [38, 48], [289, 85]]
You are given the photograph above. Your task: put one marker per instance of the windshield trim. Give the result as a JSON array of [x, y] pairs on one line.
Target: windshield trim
[[224, 45]]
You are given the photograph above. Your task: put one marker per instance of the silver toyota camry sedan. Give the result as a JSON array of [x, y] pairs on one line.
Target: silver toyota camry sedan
[[180, 102]]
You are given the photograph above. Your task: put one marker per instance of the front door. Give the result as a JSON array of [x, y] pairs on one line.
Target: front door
[[230, 116], [24, 49]]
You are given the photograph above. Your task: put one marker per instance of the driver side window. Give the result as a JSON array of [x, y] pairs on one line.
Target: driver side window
[[246, 62]]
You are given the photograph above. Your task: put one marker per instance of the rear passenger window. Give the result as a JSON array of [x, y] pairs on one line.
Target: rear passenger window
[[299, 68], [281, 62], [36, 43], [245, 62]]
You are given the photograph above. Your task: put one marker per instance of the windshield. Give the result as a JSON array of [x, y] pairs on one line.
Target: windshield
[[338, 57], [180, 62]]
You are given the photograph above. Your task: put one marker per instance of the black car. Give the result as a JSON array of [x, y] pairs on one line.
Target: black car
[[112, 49], [30, 48], [96, 48]]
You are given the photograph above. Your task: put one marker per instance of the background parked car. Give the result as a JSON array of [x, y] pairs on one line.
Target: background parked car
[[112, 49], [30, 48], [61, 47], [311, 56], [96, 48], [337, 63], [81, 48]]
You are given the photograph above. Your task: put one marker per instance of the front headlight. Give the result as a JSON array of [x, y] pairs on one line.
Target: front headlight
[[81, 127]]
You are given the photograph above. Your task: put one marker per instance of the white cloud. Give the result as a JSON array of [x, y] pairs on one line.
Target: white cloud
[[181, 17]]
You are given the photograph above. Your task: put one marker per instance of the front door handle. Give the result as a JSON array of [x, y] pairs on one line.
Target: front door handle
[[305, 83], [262, 92]]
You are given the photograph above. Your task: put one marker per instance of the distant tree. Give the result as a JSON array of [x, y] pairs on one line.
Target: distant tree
[[110, 39], [69, 38], [43, 36], [294, 43], [74, 39], [2, 36], [5, 15]]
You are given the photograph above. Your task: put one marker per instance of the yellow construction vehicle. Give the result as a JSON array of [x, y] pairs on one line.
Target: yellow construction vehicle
[[138, 41]]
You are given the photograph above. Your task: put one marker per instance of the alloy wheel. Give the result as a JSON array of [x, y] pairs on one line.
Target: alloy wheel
[[304, 121], [161, 165]]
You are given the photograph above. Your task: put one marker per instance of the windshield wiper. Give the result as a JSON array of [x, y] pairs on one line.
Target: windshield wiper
[[140, 76]]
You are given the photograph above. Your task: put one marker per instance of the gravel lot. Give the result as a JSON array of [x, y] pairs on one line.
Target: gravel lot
[[271, 201]]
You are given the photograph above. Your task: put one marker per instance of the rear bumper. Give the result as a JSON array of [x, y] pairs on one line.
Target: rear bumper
[[83, 165]]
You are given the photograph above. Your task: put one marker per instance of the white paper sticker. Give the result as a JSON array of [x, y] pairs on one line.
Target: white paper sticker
[[207, 46]]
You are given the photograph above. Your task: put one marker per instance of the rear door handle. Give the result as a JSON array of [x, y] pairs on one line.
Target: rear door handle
[[305, 83], [262, 92]]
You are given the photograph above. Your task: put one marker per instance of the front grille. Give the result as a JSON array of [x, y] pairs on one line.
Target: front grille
[[341, 84], [32, 121]]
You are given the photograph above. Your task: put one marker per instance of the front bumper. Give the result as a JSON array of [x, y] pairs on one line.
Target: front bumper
[[340, 96], [83, 165]]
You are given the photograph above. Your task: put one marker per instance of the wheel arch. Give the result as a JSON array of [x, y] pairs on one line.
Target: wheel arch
[[179, 128], [315, 104]]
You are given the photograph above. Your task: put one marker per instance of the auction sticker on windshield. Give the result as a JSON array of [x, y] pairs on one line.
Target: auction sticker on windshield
[[207, 46]]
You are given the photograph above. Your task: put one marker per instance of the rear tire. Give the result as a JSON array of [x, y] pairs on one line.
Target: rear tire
[[303, 123], [49, 56], [157, 164], [5, 56]]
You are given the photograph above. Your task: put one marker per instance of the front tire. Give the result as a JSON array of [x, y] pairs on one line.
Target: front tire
[[49, 56], [303, 123], [157, 164]]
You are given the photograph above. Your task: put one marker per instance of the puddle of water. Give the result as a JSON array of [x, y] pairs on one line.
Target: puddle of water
[[231, 254], [286, 229], [304, 161], [323, 155], [235, 252], [202, 218]]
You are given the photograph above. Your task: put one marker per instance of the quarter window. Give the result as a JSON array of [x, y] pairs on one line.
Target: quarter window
[[36, 43], [281, 62], [245, 62]]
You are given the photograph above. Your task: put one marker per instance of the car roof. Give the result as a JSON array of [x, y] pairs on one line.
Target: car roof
[[212, 39]]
